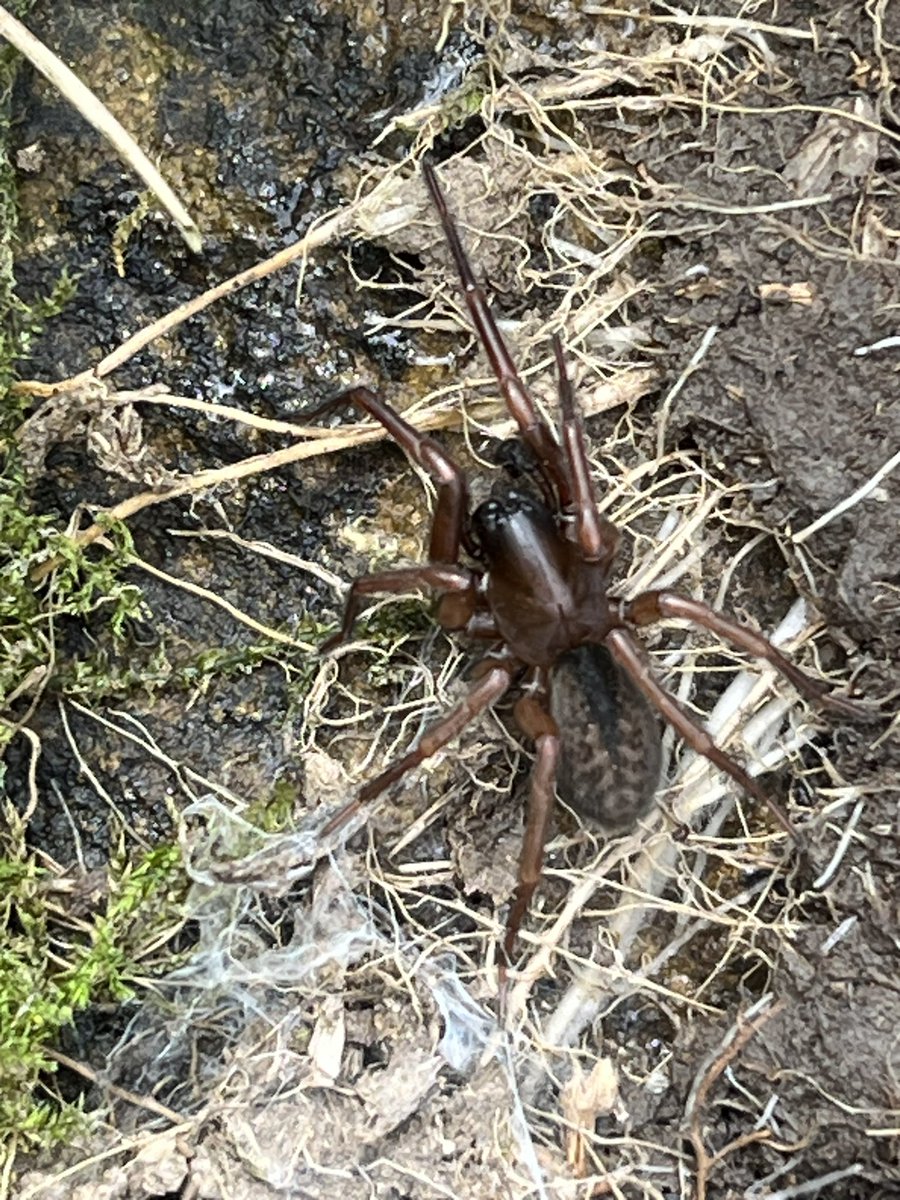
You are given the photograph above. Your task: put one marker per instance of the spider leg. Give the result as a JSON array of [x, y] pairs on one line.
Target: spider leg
[[455, 583], [488, 689], [654, 606], [597, 537], [533, 428], [452, 498], [483, 626], [536, 723], [630, 658]]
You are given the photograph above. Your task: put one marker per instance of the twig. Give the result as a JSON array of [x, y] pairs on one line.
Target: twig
[[812, 1186], [146, 1102], [98, 115], [263, 631], [698, 20], [696, 358], [255, 465], [845, 505], [333, 225], [841, 849], [731, 1046]]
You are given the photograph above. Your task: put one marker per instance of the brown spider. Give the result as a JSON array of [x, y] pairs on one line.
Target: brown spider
[[539, 594]]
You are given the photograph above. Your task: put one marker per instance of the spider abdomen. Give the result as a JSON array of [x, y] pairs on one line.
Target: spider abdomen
[[610, 752]]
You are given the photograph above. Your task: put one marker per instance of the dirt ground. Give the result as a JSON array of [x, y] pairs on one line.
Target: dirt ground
[[707, 209]]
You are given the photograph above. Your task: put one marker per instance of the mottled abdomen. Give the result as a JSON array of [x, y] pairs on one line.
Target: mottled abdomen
[[609, 740]]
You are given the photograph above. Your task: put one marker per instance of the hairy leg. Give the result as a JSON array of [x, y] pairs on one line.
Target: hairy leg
[[597, 537], [488, 689], [650, 607], [452, 499], [534, 430], [628, 654], [536, 723], [455, 583]]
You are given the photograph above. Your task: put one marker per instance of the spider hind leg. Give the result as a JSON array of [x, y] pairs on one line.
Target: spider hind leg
[[486, 691], [628, 654]]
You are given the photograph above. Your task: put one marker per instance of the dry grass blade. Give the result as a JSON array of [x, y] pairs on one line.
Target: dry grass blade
[[98, 115]]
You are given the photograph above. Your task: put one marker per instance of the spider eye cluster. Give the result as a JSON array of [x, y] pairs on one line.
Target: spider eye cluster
[[504, 506], [504, 515]]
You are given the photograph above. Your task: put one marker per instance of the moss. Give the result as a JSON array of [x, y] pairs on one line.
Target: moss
[[275, 813], [116, 670], [53, 965], [51, 968], [396, 622], [86, 579], [128, 226]]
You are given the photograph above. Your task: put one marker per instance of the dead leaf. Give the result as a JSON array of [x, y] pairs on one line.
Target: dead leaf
[[393, 1094], [583, 1100], [326, 1046], [836, 146], [788, 293]]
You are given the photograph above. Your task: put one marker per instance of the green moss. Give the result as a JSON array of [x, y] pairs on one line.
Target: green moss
[[50, 970], [87, 579], [128, 226], [274, 813], [460, 104], [116, 670], [396, 622], [143, 898], [52, 967]]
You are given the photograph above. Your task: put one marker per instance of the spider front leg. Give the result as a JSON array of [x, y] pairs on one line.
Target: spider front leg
[[597, 538], [452, 498], [456, 585], [534, 430]]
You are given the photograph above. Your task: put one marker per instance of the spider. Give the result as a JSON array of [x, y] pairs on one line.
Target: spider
[[538, 595]]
